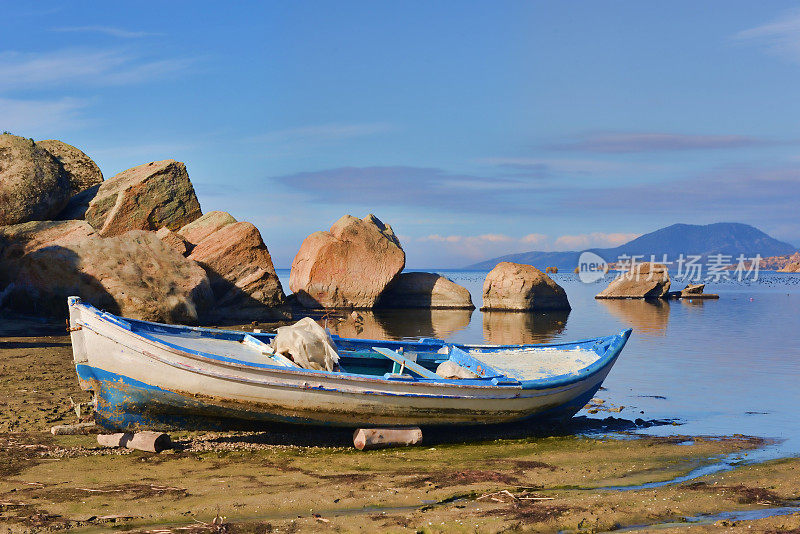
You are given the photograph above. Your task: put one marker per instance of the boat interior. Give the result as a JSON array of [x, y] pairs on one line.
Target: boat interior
[[412, 360]]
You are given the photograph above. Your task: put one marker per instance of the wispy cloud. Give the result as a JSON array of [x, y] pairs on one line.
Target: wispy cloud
[[781, 36], [414, 187], [41, 117], [106, 30], [80, 67], [613, 142], [558, 167]]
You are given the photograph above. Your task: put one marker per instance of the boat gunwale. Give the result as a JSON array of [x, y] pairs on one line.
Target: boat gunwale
[[615, 343]]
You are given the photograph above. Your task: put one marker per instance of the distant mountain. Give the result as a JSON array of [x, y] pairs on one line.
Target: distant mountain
[[704, 240]]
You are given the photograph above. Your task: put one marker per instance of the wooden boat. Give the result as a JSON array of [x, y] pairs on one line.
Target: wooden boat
[[158, 376]]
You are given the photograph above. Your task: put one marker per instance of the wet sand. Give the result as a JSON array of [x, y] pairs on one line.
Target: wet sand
[[510, 478]]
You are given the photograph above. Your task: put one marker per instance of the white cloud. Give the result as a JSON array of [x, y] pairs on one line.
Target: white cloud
[[781, 36], [79, 67], [534, 239], [592, 240], [38, 118]]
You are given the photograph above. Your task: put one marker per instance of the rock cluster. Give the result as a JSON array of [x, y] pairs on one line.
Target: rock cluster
[[134, 274], [135, 244], [138, 244]]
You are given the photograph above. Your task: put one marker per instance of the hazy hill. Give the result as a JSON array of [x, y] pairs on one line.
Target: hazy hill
[[718, 238]]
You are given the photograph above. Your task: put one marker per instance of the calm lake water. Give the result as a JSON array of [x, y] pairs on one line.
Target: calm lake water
[[718, 367]]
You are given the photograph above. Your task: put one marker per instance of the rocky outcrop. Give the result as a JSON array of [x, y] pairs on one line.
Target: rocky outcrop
[[148, 197], [518, 287], [693, 289], [776, 263], [643, 280], [348, 266], [425, 290], [240, 267], [82, 171], [135, 274], [791, 264], [204, 226], [33, 184]]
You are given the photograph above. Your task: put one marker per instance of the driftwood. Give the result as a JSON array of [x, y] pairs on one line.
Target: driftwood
[[142, 441], [70, 430], [374, 438]]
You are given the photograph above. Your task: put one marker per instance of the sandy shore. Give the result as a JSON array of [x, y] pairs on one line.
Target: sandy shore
[[290, 480]]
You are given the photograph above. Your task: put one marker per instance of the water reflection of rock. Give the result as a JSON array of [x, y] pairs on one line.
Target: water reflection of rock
[[650, 316], [514, 328], [403, 323], [693, 303]]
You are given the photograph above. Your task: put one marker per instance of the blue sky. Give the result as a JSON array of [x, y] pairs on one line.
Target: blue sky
[[473, 128]]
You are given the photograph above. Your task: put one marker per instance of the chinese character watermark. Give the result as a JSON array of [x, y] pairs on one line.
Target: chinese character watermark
[[689, 267]]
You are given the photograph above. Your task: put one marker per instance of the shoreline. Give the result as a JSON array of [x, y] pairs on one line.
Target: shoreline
[[594, 475]]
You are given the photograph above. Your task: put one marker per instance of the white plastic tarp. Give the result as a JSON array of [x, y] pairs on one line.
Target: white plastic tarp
[[307, 344]]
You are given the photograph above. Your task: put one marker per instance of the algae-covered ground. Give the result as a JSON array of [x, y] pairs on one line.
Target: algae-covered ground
[[296, 480]]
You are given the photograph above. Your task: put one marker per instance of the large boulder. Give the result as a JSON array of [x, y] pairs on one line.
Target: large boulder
[[240, 267], [791, 264], [348, 266], [33, 184], [204, 226], [791, 267], [642, 280], [135, 275], [82, 171], [425, 290], [518, 287], [148, 197]]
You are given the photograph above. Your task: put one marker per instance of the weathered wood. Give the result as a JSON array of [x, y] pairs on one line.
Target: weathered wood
[[143, 441], [374, 438], [71, 430], [405, 362]]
